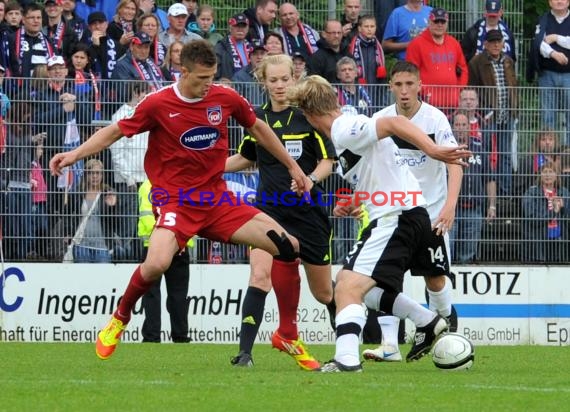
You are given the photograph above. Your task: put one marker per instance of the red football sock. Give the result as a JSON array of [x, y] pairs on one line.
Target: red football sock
[[287, 286], [136, 288]]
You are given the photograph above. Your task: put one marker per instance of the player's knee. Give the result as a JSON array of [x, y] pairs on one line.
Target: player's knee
[[322, 292], [323, 296], [153, 269], [260, 279], [435, 283], [343, 288], [287, 246]]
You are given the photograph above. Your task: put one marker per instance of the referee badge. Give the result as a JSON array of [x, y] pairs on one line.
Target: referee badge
[[294, 148]]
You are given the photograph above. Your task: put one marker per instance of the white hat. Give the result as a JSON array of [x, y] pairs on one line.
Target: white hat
[[178, 9], [54, 60]]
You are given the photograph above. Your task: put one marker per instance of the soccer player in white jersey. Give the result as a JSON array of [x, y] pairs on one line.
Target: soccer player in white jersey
[[399, 235], [440, 189]]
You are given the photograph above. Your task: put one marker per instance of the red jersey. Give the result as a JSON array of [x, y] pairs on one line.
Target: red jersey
[[188, 138]]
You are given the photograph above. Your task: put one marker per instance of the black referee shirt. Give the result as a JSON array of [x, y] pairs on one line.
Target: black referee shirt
[[302, 142]]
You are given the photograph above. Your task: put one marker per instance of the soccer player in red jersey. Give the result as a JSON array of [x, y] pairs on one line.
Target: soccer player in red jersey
[[185, 160]]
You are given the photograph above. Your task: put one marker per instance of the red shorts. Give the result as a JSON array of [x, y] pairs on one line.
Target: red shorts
[[214, 222]]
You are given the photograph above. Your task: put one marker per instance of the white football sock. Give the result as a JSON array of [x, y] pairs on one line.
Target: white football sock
[[440, 302], [405, 307], [347, 345], [372, 298], [389, 325]]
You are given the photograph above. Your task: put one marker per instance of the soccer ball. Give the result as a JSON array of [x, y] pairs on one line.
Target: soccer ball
[[453, 352]]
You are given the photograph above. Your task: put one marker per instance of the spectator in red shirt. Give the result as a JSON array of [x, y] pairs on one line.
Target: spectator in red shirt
[[438, 55]]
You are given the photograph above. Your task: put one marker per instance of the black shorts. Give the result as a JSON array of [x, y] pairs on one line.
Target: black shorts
[[440, 246], [311, 227], [394, 244]]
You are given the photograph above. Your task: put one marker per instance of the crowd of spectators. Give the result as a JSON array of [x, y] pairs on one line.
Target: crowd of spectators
[[68, 67]]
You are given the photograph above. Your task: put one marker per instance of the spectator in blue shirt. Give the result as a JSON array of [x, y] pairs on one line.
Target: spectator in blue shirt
[[405, 24]]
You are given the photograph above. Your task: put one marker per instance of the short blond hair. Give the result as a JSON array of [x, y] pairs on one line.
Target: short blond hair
[[274, 60], [314, 95]]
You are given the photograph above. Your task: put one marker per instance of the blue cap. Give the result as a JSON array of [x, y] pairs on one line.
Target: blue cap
[[239, 18], [140, 38], [493, 7], [438, 14]]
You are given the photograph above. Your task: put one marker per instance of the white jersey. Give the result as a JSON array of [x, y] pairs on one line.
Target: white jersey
[[431, 173], [374, 167]]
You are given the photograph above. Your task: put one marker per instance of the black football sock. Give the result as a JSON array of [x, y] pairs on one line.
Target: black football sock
[[252, 316]]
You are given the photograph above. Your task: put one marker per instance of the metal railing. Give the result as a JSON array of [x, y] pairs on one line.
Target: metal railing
[[40, 221]]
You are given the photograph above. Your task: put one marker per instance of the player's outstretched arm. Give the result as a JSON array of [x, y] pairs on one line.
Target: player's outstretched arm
[[270, 142], [100, 140], [236, 163], [405, 129]]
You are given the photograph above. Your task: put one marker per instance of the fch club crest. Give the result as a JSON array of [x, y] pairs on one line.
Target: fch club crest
[[214, 115]]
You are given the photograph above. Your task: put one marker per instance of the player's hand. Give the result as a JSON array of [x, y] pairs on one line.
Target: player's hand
[[295, 188], [61, 160], [302, 181], [451, 155], [444, 221]]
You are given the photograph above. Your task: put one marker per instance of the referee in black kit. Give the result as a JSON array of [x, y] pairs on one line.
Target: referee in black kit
[[306, 219]]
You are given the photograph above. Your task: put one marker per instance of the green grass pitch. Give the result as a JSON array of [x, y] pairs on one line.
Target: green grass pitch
[[192, 377]]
